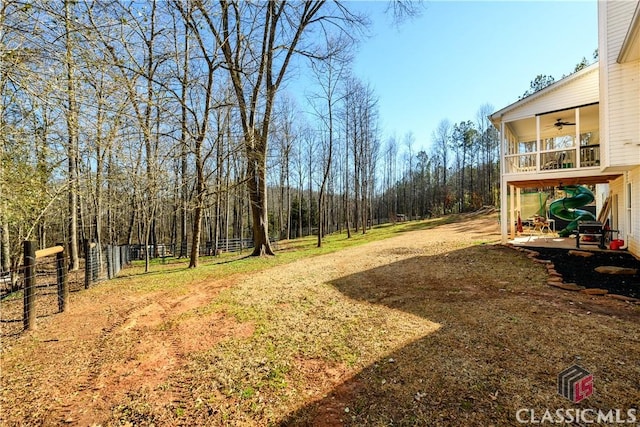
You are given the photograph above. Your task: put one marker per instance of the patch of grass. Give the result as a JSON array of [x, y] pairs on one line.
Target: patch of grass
[[427, 331], [135, 411], [175, 272], [247, 393], [14, 296]]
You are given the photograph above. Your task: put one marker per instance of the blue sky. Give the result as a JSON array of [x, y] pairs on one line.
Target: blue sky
[[460, 55]]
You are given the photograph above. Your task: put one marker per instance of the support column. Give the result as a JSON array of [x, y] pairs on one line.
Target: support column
[[512, 217]]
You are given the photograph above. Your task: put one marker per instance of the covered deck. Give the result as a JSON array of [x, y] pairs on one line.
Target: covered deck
[[553, 141]]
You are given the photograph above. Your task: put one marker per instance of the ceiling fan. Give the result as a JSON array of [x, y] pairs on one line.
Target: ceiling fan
[[560, 123]]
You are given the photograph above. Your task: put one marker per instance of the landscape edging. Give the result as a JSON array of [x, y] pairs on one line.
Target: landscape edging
[[555, 278]]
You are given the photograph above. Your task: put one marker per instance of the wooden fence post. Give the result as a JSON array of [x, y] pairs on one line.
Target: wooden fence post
[[63, 283], [29, 285], [87, 264]]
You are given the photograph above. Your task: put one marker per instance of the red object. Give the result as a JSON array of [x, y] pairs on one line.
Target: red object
[[519, 228], [616, 244]]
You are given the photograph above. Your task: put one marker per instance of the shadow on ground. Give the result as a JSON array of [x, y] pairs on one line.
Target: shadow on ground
[[504, 337]]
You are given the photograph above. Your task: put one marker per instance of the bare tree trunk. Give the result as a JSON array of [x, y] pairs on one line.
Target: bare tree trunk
[[257, 186], [72, 143], [288, 235], [184, 149], [197, 220], [279, 28], [5, 242]]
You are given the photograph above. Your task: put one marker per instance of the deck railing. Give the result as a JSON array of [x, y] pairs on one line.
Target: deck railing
[[587, 156]]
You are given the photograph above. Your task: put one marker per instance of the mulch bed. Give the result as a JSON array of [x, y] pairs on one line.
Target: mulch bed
[[581, 270]]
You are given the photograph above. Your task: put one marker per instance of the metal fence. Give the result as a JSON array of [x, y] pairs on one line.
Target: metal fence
[[161, 250], [41, 286]]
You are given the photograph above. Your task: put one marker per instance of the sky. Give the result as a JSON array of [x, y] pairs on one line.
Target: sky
[[460, 55]]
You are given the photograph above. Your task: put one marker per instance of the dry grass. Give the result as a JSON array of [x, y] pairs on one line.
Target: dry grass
[[430, 327]]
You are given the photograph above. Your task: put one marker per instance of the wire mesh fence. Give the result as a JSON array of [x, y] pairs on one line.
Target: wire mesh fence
[[40, 287], [208, 248]]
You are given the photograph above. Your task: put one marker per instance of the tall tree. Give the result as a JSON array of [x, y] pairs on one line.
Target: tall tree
[[284, 133], [441, 140], [463, 137], [72, 134], [258, 41], [138, 73], [328, 72], [409, 140], [202, 122], [540, 82]]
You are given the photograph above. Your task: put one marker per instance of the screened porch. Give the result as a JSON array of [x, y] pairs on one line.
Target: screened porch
[[556, 140]]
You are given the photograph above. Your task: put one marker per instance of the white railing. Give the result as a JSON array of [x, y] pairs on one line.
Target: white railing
[[551, 160]]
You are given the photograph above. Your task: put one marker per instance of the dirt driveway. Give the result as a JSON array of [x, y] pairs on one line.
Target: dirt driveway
[[431, 327]]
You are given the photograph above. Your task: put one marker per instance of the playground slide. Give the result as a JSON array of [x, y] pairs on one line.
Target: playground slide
[[567, 208]]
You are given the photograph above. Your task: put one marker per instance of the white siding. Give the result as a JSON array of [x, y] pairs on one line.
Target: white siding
[[634, 237], [615, 188], [629, 229], [581, 90], [620, 84]]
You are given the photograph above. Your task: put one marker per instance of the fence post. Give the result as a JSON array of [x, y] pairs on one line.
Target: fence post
[[116, 260], [96, 261], [123, 256], [29, 285], [63, 283], [109, 254], [88, 267]]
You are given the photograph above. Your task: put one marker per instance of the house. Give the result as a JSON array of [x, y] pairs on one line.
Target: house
[[581, 132]]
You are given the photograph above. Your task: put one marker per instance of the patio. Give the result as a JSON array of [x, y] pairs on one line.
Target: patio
[[551, 240]]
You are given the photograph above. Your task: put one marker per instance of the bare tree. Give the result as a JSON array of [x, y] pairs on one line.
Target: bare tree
[[409, 140], [72, 135], [202, 122], [462, 139], [441, 140], [489, 148], [329, 72], [285, 134], [132, 48], [258, 41]]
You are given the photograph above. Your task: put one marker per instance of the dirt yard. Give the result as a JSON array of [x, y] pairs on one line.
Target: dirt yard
[[432, 327]]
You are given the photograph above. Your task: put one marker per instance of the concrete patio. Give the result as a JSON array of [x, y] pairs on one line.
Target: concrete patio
[[551, 240]]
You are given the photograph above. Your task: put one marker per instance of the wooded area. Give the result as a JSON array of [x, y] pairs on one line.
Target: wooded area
[[171, 122]]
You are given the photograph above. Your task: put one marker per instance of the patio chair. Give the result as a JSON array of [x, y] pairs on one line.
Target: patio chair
[[555, 163], [539, 225]]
